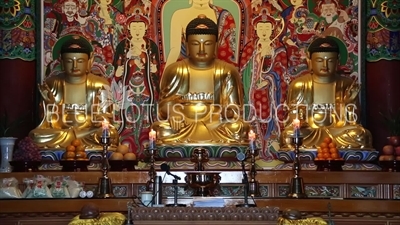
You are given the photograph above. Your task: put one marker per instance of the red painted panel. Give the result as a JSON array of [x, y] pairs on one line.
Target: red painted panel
[[383, 93], [17, 91]]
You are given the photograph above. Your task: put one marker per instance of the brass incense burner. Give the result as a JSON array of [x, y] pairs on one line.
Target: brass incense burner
[[202, 182]]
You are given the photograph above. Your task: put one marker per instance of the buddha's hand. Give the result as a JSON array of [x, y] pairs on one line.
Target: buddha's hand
[[46, 93], [351, 93], [176, 122]]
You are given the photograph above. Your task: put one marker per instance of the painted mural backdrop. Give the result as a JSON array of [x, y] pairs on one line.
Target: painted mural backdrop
[[277, 53], [383, 26], [134, 40], [17, 30]]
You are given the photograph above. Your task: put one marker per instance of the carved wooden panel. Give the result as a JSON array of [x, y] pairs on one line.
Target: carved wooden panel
[[361, 221]]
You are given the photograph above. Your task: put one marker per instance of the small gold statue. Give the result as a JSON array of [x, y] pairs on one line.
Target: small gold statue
[[201, 98], [325, 103], [72, 102], [293, 217]]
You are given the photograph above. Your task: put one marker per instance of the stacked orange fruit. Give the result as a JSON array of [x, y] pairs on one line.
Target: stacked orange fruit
[[75, 151], [327, 150]]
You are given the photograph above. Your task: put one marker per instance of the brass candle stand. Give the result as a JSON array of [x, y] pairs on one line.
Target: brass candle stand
[[129, 220], [297, 185], [152, 152], [104, 189], [254, 187]]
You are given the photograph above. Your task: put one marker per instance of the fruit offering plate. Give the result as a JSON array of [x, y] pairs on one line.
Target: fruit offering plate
[[122, 165], [329, 165], [390, 166], [25, 166], [74, 165]]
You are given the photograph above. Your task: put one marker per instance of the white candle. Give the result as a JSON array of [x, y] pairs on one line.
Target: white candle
[[252, 138], [296, 127], [152, 138], [105, 125]]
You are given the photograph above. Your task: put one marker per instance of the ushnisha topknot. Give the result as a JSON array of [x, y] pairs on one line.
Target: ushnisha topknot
[[201, 25], [76, 44], [323, 44]]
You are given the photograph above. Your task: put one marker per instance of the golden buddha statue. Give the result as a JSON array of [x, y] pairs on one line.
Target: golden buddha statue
[[325, 103], [201, 97], [72, 102]]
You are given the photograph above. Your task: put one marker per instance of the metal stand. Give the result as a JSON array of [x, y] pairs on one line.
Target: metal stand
[[253, 184], [104, 189], [297, 186], [152, 152], [175, 204], [245, 180], [129, 220]]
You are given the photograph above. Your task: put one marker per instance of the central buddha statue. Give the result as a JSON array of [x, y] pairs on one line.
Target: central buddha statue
[[72, 102], [325, 103], [201, 97]]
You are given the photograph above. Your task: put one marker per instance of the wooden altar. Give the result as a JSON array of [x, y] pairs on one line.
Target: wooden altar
[[354, 197]]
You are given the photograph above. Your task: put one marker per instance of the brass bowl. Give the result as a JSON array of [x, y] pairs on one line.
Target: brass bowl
[[202, 182]]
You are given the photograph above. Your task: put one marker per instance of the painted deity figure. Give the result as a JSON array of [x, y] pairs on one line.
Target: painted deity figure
[[104, 11], [325, 102], [105, 25], [137, 68], [263, 74], [67, 16], [181, 18], [295, 16], [336, 19], [201, 97], [83, 8], [72, 102]]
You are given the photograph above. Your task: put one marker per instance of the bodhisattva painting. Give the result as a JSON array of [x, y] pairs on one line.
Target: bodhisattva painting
[[132, 42]]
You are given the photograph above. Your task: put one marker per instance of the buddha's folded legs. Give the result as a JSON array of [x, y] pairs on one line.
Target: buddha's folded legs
[[344, 137], [352, 137], [199, 132], [61, 138]]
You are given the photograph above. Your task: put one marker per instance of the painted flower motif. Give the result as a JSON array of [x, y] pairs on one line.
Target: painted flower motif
[[27, 50], [373, 51], [373, 25], [27, 24], [112, 96], [11, 7], [120, 18]]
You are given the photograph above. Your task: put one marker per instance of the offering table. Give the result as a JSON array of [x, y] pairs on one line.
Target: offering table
[[354, 197]]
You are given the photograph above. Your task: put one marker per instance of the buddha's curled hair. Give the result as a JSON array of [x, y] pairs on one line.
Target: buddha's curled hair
[[201, 25]]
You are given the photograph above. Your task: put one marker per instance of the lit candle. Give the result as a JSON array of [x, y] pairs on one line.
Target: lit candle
[[105, 125], [252, 138], [296, 127], [152, 138]]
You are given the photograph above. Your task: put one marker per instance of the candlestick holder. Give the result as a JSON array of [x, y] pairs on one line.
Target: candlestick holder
[[104, 189], [254, 187], [297, 185], [129, 220], [152, 152]]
